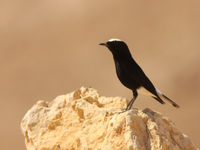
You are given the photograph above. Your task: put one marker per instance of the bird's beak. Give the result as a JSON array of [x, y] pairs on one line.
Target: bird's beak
[[103, 44]]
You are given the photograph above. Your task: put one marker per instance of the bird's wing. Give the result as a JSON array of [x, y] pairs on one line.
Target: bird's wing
[[147, 86], [137, 74]]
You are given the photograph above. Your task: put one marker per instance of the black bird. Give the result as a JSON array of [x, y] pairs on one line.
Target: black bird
[[131, 75]]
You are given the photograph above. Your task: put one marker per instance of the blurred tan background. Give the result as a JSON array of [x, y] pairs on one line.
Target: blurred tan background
[[49, 48]]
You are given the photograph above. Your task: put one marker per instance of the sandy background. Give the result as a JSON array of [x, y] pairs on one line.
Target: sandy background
[[49, 48]]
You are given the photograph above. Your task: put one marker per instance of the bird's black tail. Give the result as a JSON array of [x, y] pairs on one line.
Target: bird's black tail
[[159, 99], [166, 98], [170, 101]]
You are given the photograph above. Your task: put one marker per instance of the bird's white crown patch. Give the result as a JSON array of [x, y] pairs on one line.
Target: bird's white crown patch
[[111, 40]]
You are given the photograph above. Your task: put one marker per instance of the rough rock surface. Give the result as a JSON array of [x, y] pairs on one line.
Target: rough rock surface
[[85, 120]]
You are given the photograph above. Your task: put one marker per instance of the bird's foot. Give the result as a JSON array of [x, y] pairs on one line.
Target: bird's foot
[[125, 110], [122, 111]]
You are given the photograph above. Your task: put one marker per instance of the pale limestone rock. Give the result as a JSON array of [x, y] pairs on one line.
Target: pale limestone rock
[[85, 120]]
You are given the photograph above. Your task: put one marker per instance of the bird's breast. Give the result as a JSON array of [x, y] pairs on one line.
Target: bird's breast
[[125, 78]]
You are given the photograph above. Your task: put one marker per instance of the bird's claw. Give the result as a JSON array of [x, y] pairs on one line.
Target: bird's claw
[[122, 111], [125, 110]]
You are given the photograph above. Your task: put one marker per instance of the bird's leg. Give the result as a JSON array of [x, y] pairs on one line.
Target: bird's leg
[[130, 104], [135, 94]]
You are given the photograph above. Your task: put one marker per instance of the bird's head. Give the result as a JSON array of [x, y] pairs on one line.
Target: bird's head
[[116, 46]]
